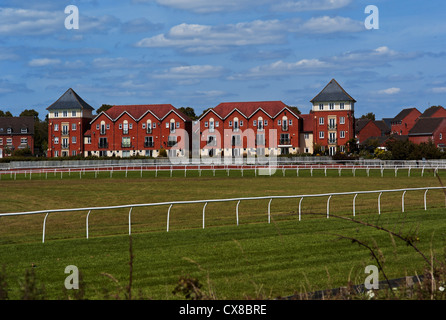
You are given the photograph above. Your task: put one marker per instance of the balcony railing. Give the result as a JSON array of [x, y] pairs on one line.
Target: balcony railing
[[149, 130], [102, 132], [285, 141], [284, 128], [332, 141], [65, 145], [126, 145], [172, 143], [65, 132], [332, 127], [149, 144]]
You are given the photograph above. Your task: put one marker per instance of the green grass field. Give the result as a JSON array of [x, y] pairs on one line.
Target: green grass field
[[254, 259]]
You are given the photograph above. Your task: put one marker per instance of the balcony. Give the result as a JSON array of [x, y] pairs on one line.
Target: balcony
[[285, 141], [126, 145], [102, 145], [332, 127], [332, 141], [285, 128], [102, 132], [65, 132], [149, 144], [171, 143], [149, 130], [65, 145]]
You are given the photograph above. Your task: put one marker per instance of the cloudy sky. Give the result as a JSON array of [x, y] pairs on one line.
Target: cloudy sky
[[198, 53]]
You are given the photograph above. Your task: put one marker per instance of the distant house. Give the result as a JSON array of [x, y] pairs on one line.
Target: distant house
[[404, 121], [434, 112], [16, 133], [366, 128], [426, 129], [306, 135]]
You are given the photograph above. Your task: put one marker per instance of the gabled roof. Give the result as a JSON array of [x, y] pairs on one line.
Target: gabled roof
[[307, 122], [160, 111], [429, 112], [16, 124], [70, 100], [382, 125], [404, 113], [271, 108], [426, 126], [360, 124], [332, 92]]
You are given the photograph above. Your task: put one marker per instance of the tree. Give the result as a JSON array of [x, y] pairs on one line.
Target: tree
[[30, 113], [294, 109], [369, 115], [188, 111], [104, 107], [5, 114]]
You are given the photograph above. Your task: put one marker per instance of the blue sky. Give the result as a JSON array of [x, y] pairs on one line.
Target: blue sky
[[198, 53]]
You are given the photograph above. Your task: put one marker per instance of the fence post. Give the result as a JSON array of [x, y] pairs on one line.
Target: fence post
[[236, 210], [300, 208], [168, 217], [402, 201], [204, 210], [269, 210], [379, 203], [354, 205], [44, 224], [130, 221], [88, 214], [328, 206], [425, 199]]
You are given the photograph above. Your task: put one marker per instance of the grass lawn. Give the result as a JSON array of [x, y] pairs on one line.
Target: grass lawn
[[254, 259]]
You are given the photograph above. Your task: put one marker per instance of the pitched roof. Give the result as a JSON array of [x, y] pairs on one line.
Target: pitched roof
[[70, 100], [382, 125], [307, 121], [360, 124], [272, 108], [137, 111], [426, 126], [16, 124], [404, 113], [332, 92], [429, 112]]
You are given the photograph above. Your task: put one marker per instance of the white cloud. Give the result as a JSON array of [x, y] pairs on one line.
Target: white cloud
[[208, 6], [390, 91], [29, 22], [191, 72], [439, 90], [281, 68], [327, 25], [205, 38], [310, 5], [44, 62]]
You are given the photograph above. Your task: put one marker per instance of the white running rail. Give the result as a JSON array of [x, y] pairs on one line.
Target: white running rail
[[238, 200]]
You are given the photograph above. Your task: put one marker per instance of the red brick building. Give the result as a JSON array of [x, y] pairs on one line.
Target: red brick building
[[131, 130], [434, 112], [404, 121], [367, 128], [16, 133], [68, 121], [426, 129], [333, 118], [249, 128]]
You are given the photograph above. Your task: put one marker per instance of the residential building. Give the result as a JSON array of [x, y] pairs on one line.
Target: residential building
[[306, 135], [68, 121], [16, 133], [404, 121], [333, 118], [131, 130], [426, 129], [434, 112], [367, 128], [256, 128]]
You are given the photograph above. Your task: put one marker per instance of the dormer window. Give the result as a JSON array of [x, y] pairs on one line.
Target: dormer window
[[24, 130], [9, 130]]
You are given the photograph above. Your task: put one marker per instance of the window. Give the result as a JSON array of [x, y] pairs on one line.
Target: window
[[306, 136], [266, 123], [23, 140], [321, 120], [73, 113], [65, 129], [331, 106], [285, 139], [125, 127], [73, 153], [217, 124], [178, 125], [279, 122], [24, 130], [148, 142], [260, 125], [211, 125], [120, 126], [73, 140], [73, 126], [342, 134], [108, 126], [56, 114], [172, 127], [148, 127], [341, 106], [65, 143], [97, 127], [290, 122], [65, 114], [332, 123], [1, 141], [230, 123], [441, 136], [172, 141], [321, 106], [56, 140], [88, 140], [56, 127], [241, 123], [254, 123], [126, 142], [236, 141], [143, 125], [9, 130], [260, 139], [212, 141], [130, 125], [205, 124], [321, 134], [342, 120]]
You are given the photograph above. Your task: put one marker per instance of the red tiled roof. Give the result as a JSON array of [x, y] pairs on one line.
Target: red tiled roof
[[248, 108], [137, 111], [307, 121]]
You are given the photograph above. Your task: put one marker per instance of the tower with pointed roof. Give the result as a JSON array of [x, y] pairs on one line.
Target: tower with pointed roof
[[68, 120], [333, 118]]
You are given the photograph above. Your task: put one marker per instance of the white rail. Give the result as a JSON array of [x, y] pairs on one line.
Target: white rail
[[205, 202]]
